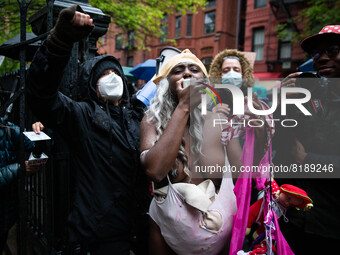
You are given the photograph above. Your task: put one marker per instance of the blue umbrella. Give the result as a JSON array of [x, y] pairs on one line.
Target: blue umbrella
[[145, 70]]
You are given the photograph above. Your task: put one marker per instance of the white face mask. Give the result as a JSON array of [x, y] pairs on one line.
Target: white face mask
[[233, 78], [111, 87]]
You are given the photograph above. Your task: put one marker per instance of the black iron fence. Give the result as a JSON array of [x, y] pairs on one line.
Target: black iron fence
[[45, 197]]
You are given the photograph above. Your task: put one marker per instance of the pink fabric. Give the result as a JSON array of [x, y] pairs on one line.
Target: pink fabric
[[243, 193]]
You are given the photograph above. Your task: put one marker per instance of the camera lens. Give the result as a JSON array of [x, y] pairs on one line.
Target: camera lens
[[308, 80]]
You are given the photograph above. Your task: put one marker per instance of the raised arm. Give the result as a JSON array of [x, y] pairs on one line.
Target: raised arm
[[46, 70], [159, 159], [51, 58]]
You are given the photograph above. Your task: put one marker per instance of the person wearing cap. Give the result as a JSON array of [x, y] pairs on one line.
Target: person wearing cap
[[316, 140], [102, 133]]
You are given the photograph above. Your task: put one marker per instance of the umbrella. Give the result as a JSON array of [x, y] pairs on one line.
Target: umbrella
[[307, 66], [127, 73], [145, 70]]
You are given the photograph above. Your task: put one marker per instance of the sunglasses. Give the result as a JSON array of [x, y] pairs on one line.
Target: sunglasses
[[331, 51]]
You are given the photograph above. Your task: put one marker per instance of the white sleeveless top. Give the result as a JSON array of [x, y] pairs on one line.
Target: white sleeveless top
[[183, 227]]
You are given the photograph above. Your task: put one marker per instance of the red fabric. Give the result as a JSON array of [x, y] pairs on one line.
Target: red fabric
[[268, 75], [254, 212], [331, 29], [275, 188]]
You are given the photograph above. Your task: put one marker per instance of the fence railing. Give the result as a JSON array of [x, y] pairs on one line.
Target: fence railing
[[45, 197]]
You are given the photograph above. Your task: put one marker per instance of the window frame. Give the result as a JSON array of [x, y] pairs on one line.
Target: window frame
[[127, 61], [189, 27], [211, 3], [206, 24], [286, 41], [164, 24], [259, 4], [131, 39], [119, 46], [254, 47], [178, 29]]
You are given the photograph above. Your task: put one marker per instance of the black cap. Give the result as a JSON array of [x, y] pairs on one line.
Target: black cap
[[100, 68]]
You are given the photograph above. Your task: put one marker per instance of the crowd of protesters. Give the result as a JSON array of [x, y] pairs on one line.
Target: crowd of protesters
[[119, 148]]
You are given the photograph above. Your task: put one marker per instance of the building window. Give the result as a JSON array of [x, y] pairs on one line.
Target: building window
[[189, 25], [207, 62], [258, 43], [119, 43], [178, 26], [285, 46], [290, 1], [211, 3], [164, 29], [164, 33], [131, 39], [260, 3], [129, 61], [209, 22]]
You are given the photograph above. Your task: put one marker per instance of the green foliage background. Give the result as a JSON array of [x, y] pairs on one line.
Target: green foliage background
[[314, 17], [10, 25], [142, 17]]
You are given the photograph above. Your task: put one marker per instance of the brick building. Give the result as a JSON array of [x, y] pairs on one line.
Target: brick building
[[213, 29], [204, 33], [274, 58]]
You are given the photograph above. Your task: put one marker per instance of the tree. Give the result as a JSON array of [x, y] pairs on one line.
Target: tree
[[314, 17], [10, 25], [144, 17]]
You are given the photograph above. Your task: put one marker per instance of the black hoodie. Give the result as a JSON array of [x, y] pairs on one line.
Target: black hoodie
[[104, 143]]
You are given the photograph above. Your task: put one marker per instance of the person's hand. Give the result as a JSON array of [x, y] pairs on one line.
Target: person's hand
[[298, 152], [189, 97], [72, 25], [290, 81], [37, 127], [259, 120], [224, 109], [81, 19], [31, 169]]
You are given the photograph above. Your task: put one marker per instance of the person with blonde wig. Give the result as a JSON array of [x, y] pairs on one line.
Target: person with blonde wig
[[187, 216], [178, 147]]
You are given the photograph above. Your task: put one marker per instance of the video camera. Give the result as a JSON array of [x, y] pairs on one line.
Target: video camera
[[316, 84]]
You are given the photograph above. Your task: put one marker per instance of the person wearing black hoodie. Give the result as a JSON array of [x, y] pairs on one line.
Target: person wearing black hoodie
[[102, 133]]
